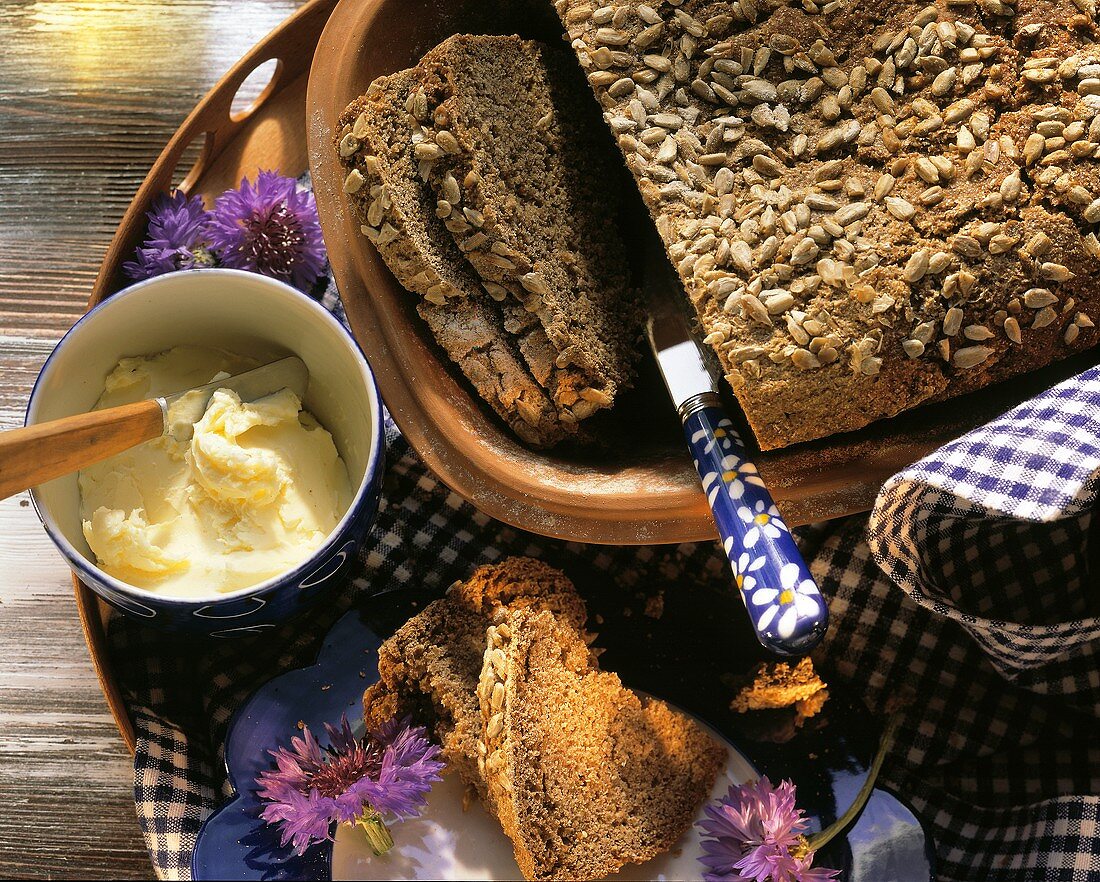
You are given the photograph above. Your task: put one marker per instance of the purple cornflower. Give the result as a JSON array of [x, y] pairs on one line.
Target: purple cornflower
[[386, 775], [756, 830], [271, 228], [176, 237]]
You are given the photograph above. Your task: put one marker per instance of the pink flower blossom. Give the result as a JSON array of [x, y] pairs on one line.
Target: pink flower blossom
[[756, 836], [313, 788]]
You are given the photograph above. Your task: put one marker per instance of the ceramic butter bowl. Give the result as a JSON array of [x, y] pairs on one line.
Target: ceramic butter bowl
[[246, 314]]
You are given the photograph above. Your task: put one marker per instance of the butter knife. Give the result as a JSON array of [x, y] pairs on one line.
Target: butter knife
[[43, 451], [786, 607]]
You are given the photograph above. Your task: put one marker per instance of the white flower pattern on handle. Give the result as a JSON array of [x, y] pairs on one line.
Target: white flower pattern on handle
[[790, 601], [743, 568], [757, 542], [736, 474], [764, 520]]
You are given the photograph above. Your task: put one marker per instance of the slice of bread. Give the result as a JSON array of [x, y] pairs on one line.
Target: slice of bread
[[430, 666], [514, 150], [584, 775], [397, 212]]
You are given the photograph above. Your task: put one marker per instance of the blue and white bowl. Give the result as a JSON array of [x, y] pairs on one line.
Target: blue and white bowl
[[251, 315]]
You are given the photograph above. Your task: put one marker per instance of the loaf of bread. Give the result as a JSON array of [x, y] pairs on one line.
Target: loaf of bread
[[871, 205], [584, 776]]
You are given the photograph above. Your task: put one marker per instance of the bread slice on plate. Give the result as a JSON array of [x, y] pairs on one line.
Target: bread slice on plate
[[512, 146], [431, 665], [397, 211], [583, 774]]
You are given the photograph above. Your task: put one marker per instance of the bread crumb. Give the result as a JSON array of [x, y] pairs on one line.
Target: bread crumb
[[655, 606], [779, 685]]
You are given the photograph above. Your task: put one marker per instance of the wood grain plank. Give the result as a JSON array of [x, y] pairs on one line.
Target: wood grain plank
[[90, 91]]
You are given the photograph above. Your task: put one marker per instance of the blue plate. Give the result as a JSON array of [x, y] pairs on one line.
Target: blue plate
[[887, 842]]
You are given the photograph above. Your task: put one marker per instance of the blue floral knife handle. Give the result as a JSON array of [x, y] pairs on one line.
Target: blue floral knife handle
[[786, 608]]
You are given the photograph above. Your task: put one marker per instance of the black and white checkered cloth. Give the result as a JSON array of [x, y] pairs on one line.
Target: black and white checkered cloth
[[969, 587]]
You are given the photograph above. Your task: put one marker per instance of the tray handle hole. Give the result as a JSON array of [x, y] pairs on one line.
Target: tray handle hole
[[255, 89], [192, 162]]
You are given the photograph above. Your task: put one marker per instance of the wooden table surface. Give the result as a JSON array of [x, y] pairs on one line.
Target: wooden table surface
[[90, 90]]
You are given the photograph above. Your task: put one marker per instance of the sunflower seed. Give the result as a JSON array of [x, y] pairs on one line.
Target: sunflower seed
[[924, 332], [944, 81], [952, 321], [426, 151], [958, 111], [1056, 272], [354, 181], [913, 348], [870, 365], [971, 356], [611, 37], [1012, 330], [850, 213], [767, 166], [1037, 298], [977, 333], [804, 252], [753, 308], [1044, 317], [926, 170], [1010, 187], [534, 283], [1001, 244], [916, 266], [883, 186], [451, 191], [805, 360], [900, 208]]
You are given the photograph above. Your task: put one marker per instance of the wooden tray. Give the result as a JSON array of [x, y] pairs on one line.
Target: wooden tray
[[643, 488], [268, 134], [810, 482]]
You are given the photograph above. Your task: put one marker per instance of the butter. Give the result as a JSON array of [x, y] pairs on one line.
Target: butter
[[246, 493]]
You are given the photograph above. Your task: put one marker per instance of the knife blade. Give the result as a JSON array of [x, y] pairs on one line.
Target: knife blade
[[185, 408], [785, 606]]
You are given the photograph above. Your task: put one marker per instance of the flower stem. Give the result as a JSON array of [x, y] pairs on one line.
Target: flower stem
[[820, 840], [377, 833]]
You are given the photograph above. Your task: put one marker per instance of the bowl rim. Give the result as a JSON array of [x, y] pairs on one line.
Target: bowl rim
[[92, 571]]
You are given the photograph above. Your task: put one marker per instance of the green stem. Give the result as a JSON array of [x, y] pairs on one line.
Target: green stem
[[377, 833], [820, 840]]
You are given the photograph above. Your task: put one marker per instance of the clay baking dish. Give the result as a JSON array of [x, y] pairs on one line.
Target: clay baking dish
[[640, 487]]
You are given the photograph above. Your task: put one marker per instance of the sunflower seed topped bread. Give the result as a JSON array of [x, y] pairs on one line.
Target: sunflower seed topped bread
[[430, 666], [871, 205], [584, 776], [517, 158], [397, 211]]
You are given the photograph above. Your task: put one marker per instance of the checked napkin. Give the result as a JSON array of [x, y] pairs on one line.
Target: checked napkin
[[968, 587]]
